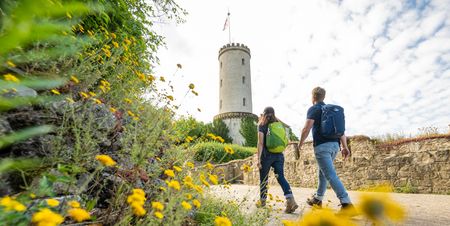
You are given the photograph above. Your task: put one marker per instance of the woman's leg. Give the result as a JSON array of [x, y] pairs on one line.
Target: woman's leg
[[278, 167], [263, 176]]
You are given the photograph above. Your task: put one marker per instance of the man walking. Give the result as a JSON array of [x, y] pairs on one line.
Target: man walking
[[325, 151]]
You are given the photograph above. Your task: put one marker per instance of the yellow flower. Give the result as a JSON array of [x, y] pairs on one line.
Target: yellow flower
[[11, 78], [219, 139], [209, 166], [73, 204], [70, 100], [162, 188], [136, 198], [105, 160], [229, 150], [214, 179], [190, 164], [177, 168], [159, 215], [169, 173], [97, 101], [186, 205], [115, 44], [74, 79], [131, 114], [162, 79], [78, 214], [288, 223], [187, 179], [246, 168], [170, 98], [204, 182], [129, 101], [196, 203], [107, 52], [128, 42], [56, 92], [378, 206], [52, 202], [46, 217], [157, 206], [32, 195], [198, 189], [113, 35], [113, 110], [222, 221], [11, 204], [188, 196], [10, 63], [92, 94], [191, 86], [138, 209], [323, 217], [90, 33], [84, 95], [174, 184], [138, 191]]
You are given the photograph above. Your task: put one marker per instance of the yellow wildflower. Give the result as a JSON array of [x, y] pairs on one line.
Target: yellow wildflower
[[199, 189], [246, 168], [128, 42], [219, 139], [115, 44], [190, 164], [188, 196], [74, 79], [56, 92], [159, 215], [170, 98], [131, 113], [90, 33], [138, 209], [209, 166], [105, 160], [107, 52], [47, 217], [11, 78], [157, 206], [113, 110], [379, 206], [52, 202], [84, 95], [92, 94], [229, 150], [204, 182], [169, 173], [10, 63], [186, 205], [222, 221], [70, 100], [97, 101], [136, 198], [73, 204], [324, 216], [78, 214], [162, 188], [162, 79], [129, 101], [177, 168], [187, 179], [138, 191], [32, 195], [174, 184], [10, 204], [191, 86], [196, 203], [214, 179]]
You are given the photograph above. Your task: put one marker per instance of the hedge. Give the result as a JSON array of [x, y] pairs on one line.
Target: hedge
[[215, 152]]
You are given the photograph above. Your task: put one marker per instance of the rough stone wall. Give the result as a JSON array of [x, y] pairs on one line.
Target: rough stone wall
[[423, 165]]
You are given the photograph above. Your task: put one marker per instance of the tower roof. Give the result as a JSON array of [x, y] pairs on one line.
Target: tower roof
[[234, 46]]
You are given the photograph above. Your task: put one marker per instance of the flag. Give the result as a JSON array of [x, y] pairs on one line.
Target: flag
[[227, 22]]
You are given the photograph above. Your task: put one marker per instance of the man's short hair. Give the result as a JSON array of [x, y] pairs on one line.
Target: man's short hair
[[318, 94]]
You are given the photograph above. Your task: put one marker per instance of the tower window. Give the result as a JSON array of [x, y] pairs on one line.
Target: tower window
[[243, 79], [220, 64], [220, 82], [243, 61], [243, 101], [220, 104]]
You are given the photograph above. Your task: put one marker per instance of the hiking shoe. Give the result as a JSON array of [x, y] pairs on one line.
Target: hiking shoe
[[347, 209], [261, 203], [314, 202], [291, 205]]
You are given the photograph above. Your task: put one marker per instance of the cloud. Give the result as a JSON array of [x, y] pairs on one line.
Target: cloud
[[386, 62]]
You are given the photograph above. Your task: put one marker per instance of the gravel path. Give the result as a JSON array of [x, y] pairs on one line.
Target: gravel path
[[422, 209]]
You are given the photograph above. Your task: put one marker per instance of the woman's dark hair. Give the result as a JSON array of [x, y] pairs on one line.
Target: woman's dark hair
[[267, 117]]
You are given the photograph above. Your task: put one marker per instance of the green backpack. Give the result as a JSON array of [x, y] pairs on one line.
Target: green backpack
[[276, 137]]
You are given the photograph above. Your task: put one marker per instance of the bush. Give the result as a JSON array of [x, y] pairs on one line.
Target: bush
[[249, 131], [216, 152]]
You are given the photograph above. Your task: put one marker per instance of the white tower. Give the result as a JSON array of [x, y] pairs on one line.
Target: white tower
[[235, 95]]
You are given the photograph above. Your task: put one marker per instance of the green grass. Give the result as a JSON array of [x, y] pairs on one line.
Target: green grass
[[215, 152]]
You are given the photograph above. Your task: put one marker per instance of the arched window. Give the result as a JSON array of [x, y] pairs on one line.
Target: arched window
[[221, 64], [243, 101], [243, 61]]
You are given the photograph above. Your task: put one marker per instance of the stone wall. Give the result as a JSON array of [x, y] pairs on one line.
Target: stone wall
[[420, 164]]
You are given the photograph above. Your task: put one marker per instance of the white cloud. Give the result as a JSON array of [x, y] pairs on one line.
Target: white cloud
[[386, 62]]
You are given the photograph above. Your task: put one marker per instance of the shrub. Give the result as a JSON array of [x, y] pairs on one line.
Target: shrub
[[216, 152], [219, 128], [249, 131]]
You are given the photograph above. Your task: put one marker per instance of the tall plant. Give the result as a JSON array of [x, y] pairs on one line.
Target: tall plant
[[249, 131]]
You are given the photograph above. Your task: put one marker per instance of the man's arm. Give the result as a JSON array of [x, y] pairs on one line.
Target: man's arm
[[345, 151], [260, 147], [305, 131]]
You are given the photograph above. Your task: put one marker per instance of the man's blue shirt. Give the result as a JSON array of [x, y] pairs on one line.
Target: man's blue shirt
[[315, 113]]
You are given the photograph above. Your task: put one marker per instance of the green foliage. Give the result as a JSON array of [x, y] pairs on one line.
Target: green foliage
[[189, 126], [292, 136], [249, 131], [407, 188], [219, 128], [213, 207], [216, 152]]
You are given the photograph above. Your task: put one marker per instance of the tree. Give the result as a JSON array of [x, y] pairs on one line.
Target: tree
[[219, 128], [249, 131], [292, 136], [189, 126]]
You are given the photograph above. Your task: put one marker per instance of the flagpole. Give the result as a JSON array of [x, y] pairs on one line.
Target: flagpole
[[229, 27]]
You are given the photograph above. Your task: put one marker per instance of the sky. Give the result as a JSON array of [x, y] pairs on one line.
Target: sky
[[386, 62]]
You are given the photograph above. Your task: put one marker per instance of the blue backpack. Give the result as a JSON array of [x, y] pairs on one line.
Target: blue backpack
[[332, 123]]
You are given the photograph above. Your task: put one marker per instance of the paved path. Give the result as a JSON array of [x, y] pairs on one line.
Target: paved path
[[422, 209]]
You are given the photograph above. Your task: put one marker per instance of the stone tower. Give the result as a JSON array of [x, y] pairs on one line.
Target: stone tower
[[235, 88]]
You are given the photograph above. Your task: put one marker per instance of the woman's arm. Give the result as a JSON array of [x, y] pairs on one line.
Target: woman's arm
[[260, 147]]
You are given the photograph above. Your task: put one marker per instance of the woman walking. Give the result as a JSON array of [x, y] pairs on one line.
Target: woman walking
[[267, 159]]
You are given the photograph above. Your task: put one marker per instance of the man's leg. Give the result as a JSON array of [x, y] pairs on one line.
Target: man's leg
[[322, 186], [325, 154]]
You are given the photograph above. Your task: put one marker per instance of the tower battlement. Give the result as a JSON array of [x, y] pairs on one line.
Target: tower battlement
[[234, 46]]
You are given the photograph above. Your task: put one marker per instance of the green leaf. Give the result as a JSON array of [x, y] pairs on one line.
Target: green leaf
[[11, 103], [45, 187], [23, 135], [37, 84], [7, 165]]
